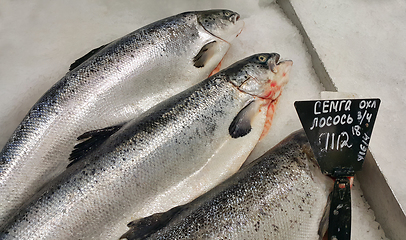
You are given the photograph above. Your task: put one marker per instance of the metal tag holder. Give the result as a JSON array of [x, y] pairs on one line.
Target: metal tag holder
[[339, 132]]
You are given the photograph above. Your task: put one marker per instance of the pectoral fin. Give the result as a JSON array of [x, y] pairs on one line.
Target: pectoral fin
[[144, 227], [85, 57], [241, 125], [93, 139], [206, 52]]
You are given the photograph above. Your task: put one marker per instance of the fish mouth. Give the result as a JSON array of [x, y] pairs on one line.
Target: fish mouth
[[235, 21], [276, 61], [234, 18], [273, 62], [276, 65]]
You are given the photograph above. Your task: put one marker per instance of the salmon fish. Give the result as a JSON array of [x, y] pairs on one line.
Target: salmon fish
[[108, 86], [281, 195], [168, 156]]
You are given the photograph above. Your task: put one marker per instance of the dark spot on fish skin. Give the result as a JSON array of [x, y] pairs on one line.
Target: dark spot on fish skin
[[256, 226], [275, 228]]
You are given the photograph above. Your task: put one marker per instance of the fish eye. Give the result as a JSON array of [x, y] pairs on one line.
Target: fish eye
[[262, 58], [227, 14]]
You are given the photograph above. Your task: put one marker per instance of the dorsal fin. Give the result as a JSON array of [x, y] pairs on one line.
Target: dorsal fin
[[144, 227], [241, 124], [204, 55], [94, 139], [85, 57]]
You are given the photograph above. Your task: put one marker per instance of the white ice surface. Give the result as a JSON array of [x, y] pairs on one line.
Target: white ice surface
[[362, 225], [362, 45], [39, 40]]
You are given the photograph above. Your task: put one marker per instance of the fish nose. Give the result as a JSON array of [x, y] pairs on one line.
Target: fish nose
[[273, 61], [234, 17]]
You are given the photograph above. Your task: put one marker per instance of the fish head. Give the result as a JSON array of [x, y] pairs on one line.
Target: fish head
[[224, 24], [261, 75]]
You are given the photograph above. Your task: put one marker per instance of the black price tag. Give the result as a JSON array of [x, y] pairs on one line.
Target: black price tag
[[339, 132]]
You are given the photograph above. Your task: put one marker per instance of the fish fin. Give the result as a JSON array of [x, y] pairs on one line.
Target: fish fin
[[204, 55], [241, 124], [85, 57], [323, 226], [144, 227], [94, 139]]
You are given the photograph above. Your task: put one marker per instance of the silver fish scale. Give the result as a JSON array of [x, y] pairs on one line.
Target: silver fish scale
[[118, 180], [124, 79], [282, 195]]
